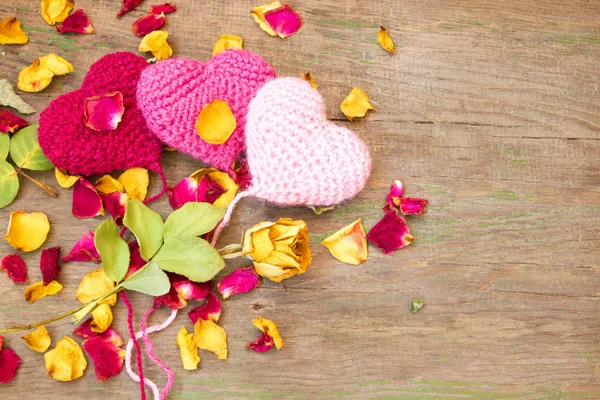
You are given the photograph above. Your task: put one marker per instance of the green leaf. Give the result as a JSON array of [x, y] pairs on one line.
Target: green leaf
[[9, 183], [415, 305], [146, 225], [4, 145], [113, 250], [193, 219], [26, 152], [149, 280], [191, 257]]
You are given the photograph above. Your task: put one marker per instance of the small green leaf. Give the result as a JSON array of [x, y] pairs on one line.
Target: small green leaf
[[191, 257], [146, 225], [4, 145], [149, 280], [9, 183], [193, 219], [26, 152], [113, 250], [415, 305]]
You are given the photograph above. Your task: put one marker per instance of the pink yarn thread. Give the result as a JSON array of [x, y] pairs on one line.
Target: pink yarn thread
[[225, 221], [138, 349]]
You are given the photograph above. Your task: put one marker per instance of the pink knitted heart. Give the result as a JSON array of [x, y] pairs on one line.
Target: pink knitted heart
[[295, 155], [172, 93]]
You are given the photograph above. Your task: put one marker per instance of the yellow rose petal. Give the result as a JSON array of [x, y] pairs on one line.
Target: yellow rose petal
[[64, 180], [38, 340], [54, 11], [223, 179], [269, 327], [188, 349], [309, 78], [385, 40], [102, 318], [226, 42], [108, 184], [356, 104], [258, 13], [210, 336], [38, 290], [27, 231], [11, 32], [216, 122], [135, 183], [94, 285], [57, 65], [34, 78], [349, 244], [66, 361], [156, 42]]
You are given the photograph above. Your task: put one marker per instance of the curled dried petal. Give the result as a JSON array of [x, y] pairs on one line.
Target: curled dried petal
[[216, 122], [188, 349], [34, 77], [64, 180], [49, 264], [95, 284], [11, 32], [262, 344], [284, 21], [86, 200], [223, 179], [258, 13], [243, 176], [211, 309], [38, 290], [413, 205], [242, 280], [390, 233], [270, 328], [135, 183], [104, 112], [356, 104], [108, 184], [394, 195], [15, 268], [127, 5], [38, 340], [9, 122], [385, 40], [182, 290], [66, 361], [27, 231], [9, 362], [77, 22], [57, 65], [156, 42], [209, 191], [9, 98], [115, 203], [84, 250], [210, 336], [309, 78], [349, 244], [148, 23], [227, 42], [54, 11], [165, 8], [184, 192], [106, 357], [102, 317]]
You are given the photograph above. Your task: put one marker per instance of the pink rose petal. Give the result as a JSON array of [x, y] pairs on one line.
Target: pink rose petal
[[77, 22], [49, 264], [165, 8], [135, 259], [284, 21], [9, 362], [181, 291], [9, 122], [413, 205], [87, 203], [15, 268], [262, 344], [115, 203], [393, 197], [242, 280], [184, 192], [127, 5], [103, 113], [84, 250], [148, 23], [208, 190], [106, 357], [390, 233], [210, 310]]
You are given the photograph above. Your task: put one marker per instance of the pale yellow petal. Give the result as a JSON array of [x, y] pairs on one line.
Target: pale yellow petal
[[270, 328], [156, 42], [27, 231], [108, 184], [38, 340], [385, 40], [215, 122], [95, 284], [102, 318], [188, 349], [258, 15], [65, 180], [54, 11], [349, 244], [66, 361], [227, 42], [356, 104], [57, 65], [262, 245], [210, 336], [135, 183], [34, 78], [38, 290]]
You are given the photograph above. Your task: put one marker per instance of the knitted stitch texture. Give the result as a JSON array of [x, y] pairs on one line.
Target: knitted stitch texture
[[73, 147], [172, 93], [295, 155]]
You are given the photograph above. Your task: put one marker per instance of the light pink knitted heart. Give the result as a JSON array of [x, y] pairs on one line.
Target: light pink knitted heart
[[295, 155]]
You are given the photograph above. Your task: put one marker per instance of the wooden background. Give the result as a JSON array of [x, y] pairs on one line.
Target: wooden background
[[491, 109]]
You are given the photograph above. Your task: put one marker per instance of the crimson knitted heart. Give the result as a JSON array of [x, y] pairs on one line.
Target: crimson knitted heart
[[72, 146], [172, 93]]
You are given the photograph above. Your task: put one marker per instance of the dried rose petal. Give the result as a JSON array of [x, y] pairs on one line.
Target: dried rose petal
[[104, 113], [390, 233], [184, 192], [211, 309], [9, 362], [115, 204], [85, 331], [413, 205], [9, 122], [208, 190], [49, 264], [84, 250], [15, 268], [242, 280], [243, 176], [127, 5], [106, 357], [170, 299], [393, 197], [77, 22], [165, 8], [269, 327], [181, 291], [148, 23], [385, 40], [86, 200], [284, 21], [262, 344], [135, 259]]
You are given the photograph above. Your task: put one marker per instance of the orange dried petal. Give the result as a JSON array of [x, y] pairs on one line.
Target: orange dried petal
[[216, 122], [308, 78], [385, 40], [66, 361], [102, 318], [356, 104], [38, 290], [34, 78], [349, 244], [11, 32], [38, 340], [27, 231], [188, 349], [210, 336]]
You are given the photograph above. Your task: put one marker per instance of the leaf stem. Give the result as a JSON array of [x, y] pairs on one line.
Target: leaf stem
[[42, 186], [48, 321]]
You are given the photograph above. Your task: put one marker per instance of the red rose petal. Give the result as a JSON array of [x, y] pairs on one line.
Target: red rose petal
[[242, 280], [262, 344], [210, 310], [128, 5], [9, 362], [135, 259], [104, 112], [181, 291], [390, 233], [148, 23], [9, 122], [49, 264], [106, 357], [208, 190], [413, 205], [166, 8], [15, 268], [86, 200], [84, 250], [284, 21], [184, 192], [115, 203], [243, 176], [77, 22], [393, 197], [85, 331]]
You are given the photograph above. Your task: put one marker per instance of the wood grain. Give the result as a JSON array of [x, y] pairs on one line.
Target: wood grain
[[489, 109]]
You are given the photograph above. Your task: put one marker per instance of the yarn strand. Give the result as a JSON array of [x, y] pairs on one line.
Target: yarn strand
[[132, 335], [225, 221], [163, 179]]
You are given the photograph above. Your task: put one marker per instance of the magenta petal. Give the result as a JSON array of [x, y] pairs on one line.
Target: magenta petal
[[15, 268], [9, 362], [262, 344], [171, 300], [393, 197], [135, 259], [242, 280], [106, 357], [189, 290], [9, 122], [390, 233], [284, 21], [209, 191], [148, 23], [184, 192], [77, 22], [49, 264], [87, 203], [85, 331], [103, 113], [84, 250], [210, 310], [166, 8], [243, 176], [115, 204], [413, 205], [127, 5]]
